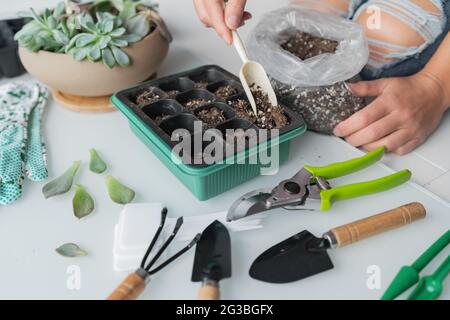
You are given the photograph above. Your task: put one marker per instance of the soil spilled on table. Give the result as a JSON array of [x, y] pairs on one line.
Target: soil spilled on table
[[304, 45], [227, 91], [212, 117], [147, 97], [268, 116]]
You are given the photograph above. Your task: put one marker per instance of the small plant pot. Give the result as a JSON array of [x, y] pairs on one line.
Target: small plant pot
[[194, 99], [227, 114], [174, 87], [10, 65], [217, 89], [86, 86], [162, 110]]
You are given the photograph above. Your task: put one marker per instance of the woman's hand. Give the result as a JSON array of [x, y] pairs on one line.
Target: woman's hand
[[213, 14], [405, 112]]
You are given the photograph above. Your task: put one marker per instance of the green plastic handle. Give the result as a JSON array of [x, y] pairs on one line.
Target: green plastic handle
[[409, 275], [340, 169], [430, 287], [363, 188], [442, 271], [426, 257]]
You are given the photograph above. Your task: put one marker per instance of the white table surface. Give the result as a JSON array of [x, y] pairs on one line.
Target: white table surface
[[31, 228]]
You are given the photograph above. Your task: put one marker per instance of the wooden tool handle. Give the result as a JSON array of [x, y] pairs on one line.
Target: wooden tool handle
[[129, 289], [361, 229], [209, 292]]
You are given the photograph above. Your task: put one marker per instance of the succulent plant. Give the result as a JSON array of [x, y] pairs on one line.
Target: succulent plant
[[43, 32], [97, 32], [102, 40]]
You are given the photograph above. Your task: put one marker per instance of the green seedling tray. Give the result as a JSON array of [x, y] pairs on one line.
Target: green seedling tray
[[205, 181]]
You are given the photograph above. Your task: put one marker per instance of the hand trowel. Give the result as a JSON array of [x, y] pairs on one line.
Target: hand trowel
[[304, 255], [212, 261]]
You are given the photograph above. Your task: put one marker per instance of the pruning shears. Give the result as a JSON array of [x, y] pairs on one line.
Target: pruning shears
[[311, 183]]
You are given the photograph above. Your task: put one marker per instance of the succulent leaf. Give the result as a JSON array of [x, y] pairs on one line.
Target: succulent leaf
[[83, 203], [63, 183], [70, 250], [96, 163], [118, 192]]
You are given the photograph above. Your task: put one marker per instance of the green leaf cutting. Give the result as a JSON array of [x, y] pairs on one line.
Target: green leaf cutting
[[83, 203], [63, 183], [118, 192], [71, 250], [96, 163]]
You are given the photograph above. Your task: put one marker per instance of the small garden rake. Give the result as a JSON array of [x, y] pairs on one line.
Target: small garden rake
[[133, 285]]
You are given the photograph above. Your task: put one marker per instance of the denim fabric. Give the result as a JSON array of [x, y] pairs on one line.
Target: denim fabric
[[415, 63]]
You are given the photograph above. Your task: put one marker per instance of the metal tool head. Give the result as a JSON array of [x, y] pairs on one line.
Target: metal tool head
[[292, 259], [249, 204], [213, 254]]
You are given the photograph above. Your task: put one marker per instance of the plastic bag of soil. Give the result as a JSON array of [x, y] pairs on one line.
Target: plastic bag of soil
[[309, 56]]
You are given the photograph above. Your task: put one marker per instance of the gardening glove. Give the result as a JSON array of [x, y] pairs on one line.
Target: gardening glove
[[22, 151]]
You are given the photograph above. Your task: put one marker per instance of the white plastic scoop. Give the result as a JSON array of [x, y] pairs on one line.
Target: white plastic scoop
[[253, 73]]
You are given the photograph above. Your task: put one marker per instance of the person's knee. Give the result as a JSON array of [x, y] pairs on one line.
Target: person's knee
[[396, 29]]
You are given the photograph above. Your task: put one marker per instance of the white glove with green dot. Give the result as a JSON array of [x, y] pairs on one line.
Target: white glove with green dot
[[22, 151]]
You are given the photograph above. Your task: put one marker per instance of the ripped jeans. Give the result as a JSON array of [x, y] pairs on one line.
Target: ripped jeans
[[402, 34]]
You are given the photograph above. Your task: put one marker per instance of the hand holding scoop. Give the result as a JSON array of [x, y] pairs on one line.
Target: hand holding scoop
[[253, 73]]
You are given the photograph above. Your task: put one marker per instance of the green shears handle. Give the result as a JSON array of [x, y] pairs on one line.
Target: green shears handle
[[363, 188], [340, 169]]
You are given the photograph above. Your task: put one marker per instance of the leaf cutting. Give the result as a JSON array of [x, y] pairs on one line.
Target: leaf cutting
[[63, 183], [118, 192], [83, 203], [96, 163], [71, 250]]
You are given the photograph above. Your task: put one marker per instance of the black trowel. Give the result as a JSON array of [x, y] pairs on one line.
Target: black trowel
[[304, 255]]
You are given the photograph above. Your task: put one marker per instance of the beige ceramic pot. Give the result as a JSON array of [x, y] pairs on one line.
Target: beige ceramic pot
[[87, 80]]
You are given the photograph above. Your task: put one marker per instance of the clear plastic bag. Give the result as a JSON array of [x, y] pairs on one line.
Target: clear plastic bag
[[264, 46], [314, 87]]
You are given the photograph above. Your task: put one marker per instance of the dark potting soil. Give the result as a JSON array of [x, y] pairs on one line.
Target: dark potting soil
[[243, 109], [161, 118], [195, 103], [201, 84], [268, 116], [212, 117], [323, 108], [173, 93], [147, 97], [304, 45], [226, 92]]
